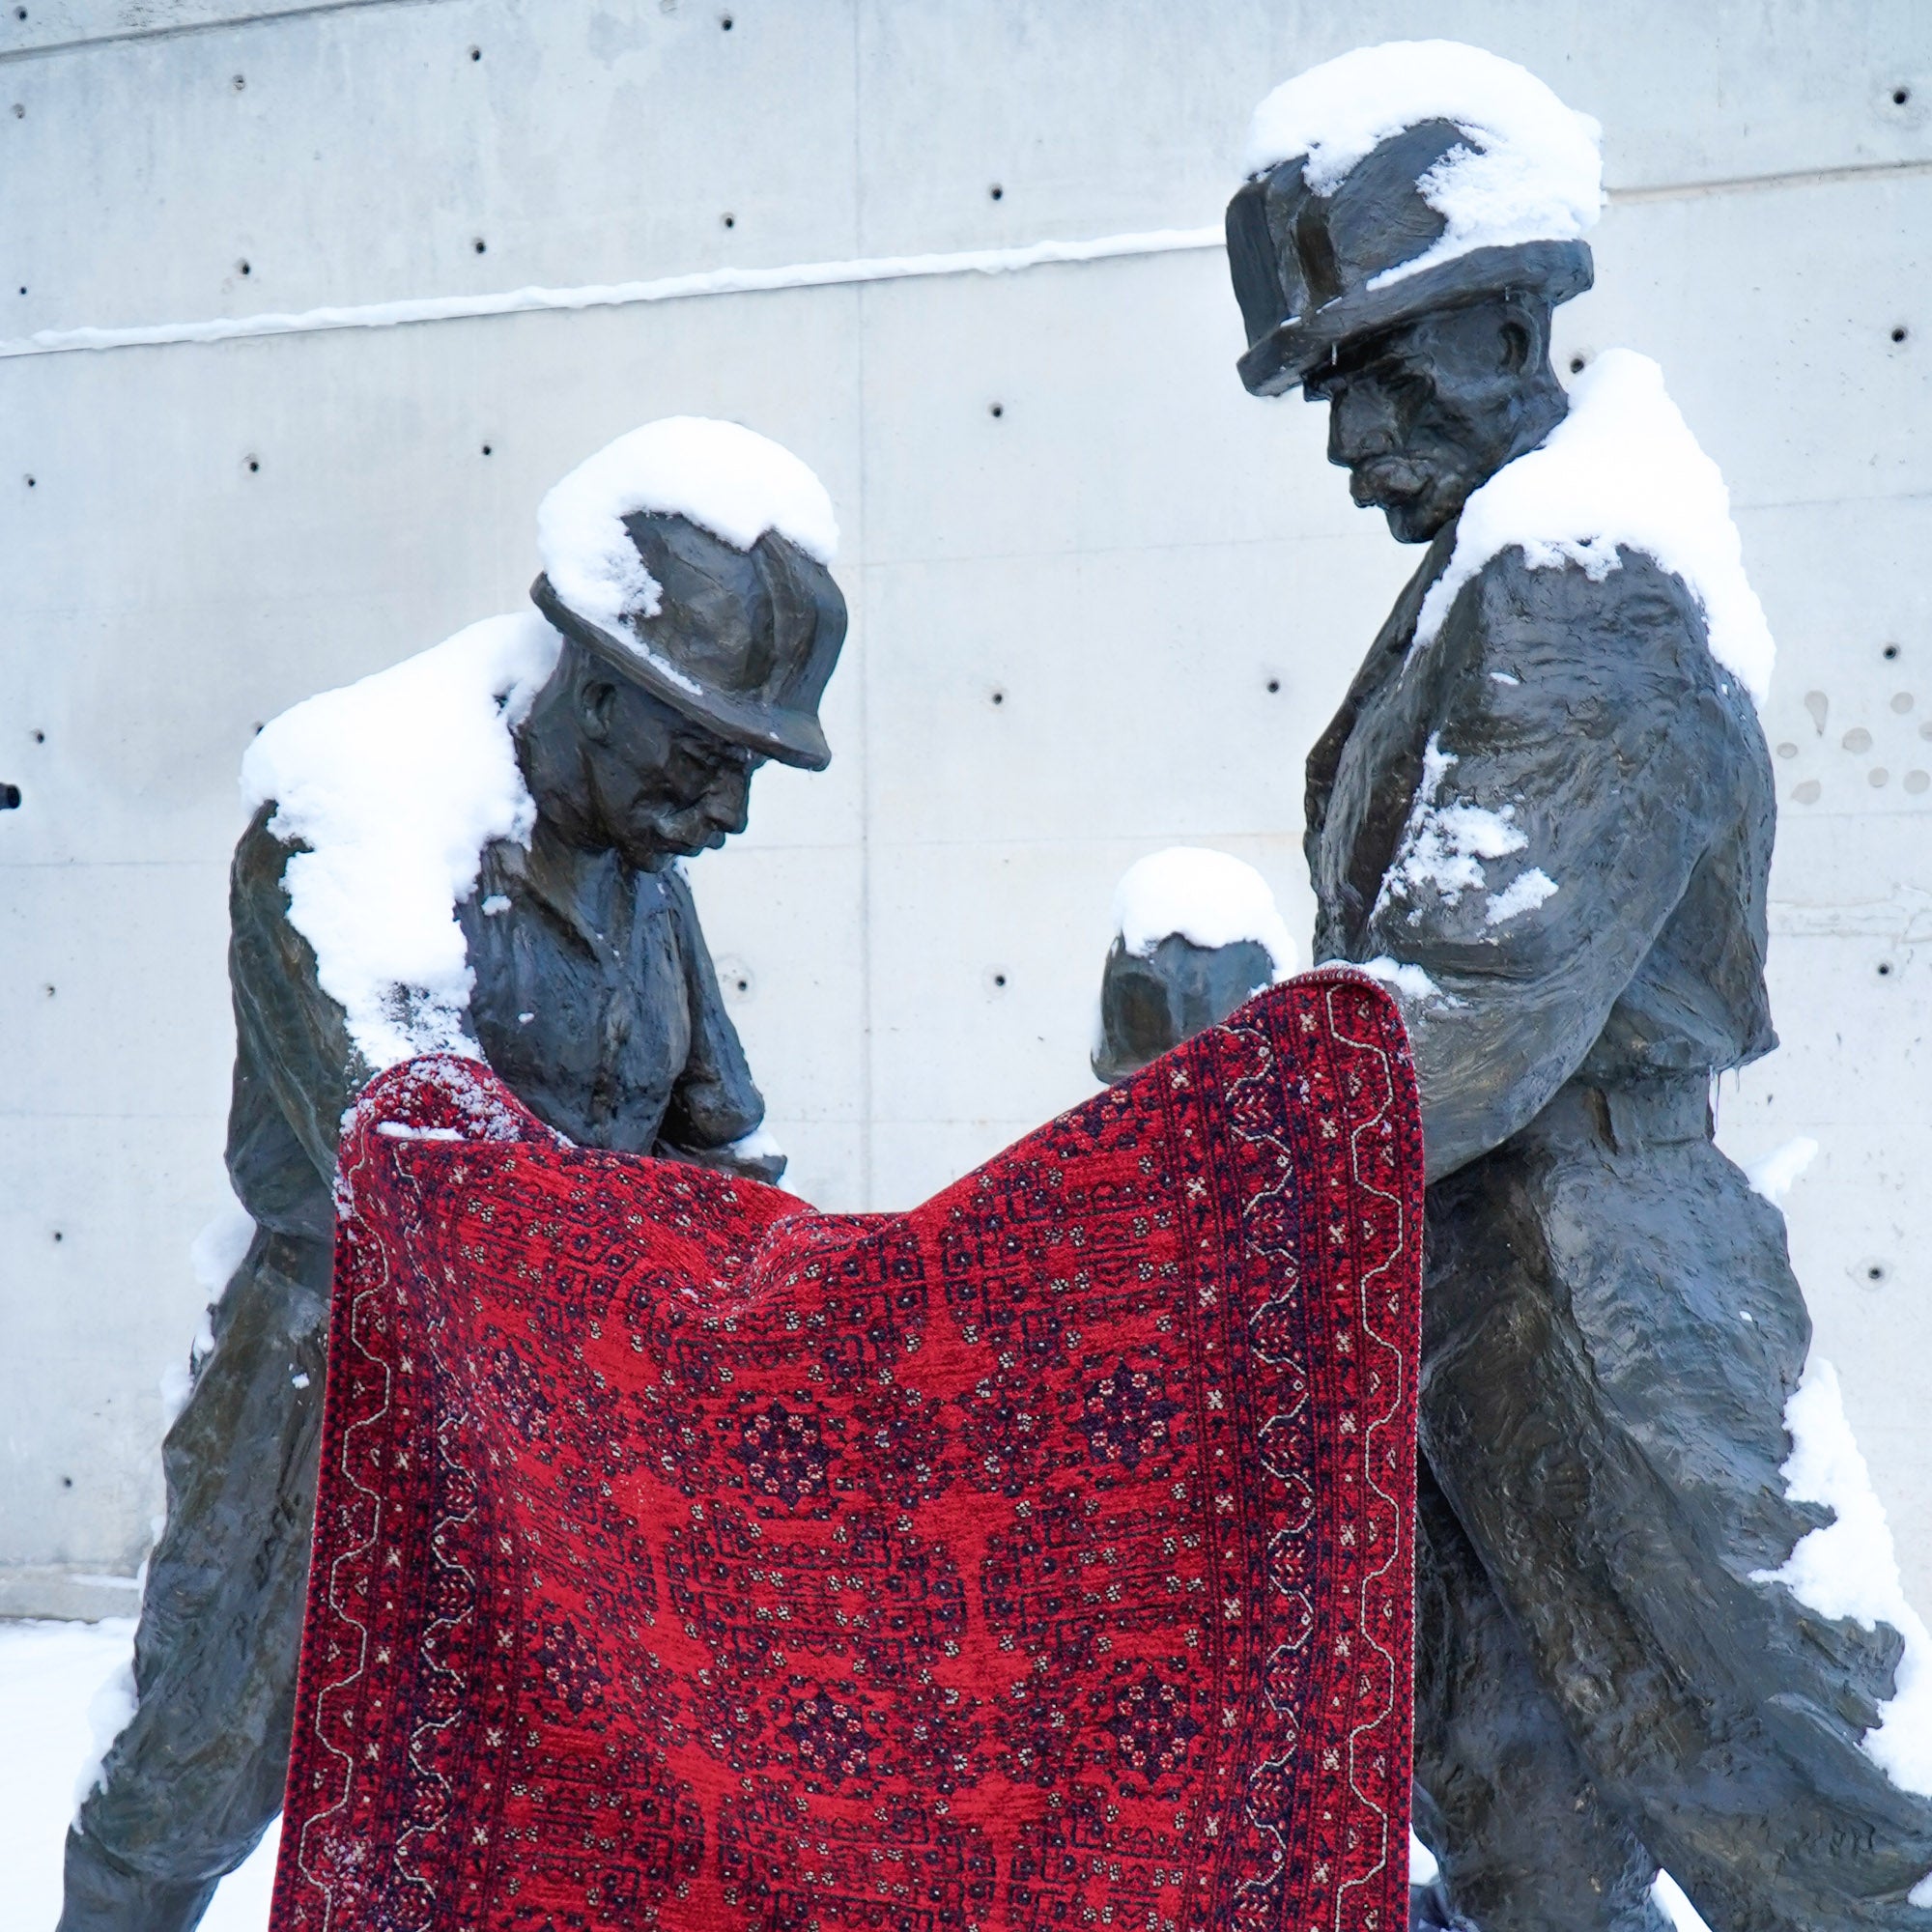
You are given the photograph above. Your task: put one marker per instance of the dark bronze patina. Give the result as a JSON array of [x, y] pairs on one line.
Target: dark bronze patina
[[1611, 1327], [595, 1000]]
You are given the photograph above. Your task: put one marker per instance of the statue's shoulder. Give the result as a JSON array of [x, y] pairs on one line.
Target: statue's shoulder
[[1621, 620]]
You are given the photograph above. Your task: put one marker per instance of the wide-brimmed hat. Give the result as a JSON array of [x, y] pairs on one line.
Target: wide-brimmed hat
[[1313, 271], [742, 642]]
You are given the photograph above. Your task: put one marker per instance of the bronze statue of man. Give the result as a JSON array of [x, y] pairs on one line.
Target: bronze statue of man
[[592, 994], [1544, 814]]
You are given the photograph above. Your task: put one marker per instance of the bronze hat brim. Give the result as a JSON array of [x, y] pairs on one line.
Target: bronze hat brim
[[1282, 359], [790, 736]]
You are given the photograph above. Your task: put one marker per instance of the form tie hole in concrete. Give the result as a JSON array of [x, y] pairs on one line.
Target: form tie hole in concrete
[[254, 466], [59, 1236], [1274, 685], [476, 53], [40, 737], [481, 247], [66, 1482], [996, 192], [51, 990], [999, 697], [1577, 365], [1900, 96], [244, 268], [33, 483], [726, 23], [9, 797], [996, 979], [996, 409], [486, 449], [1900, 333], [730, 222], [24, 289], [1890, 654], [241, 81], [1885, 969]]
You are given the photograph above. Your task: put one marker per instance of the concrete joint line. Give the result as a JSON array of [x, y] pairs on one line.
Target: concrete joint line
[[796, 275], [620, 295]]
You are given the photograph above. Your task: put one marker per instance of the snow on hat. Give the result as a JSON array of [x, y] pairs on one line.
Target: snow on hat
[[736, 632], [722, 476], [1397, 179]]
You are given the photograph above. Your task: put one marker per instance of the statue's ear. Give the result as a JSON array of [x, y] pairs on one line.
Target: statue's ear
[[596, 699]]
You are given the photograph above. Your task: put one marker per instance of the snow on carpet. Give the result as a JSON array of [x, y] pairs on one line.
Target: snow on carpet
[[49, 1675]]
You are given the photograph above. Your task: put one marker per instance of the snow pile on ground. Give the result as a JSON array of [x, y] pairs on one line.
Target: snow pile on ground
[[1849, 1569], [722, 476], [48, 1673], [1622, 468], [1208, 899], [395, 786], [1443, 847], [1531, 171]]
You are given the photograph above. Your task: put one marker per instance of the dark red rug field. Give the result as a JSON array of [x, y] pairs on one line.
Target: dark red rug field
[[1041, 1557]]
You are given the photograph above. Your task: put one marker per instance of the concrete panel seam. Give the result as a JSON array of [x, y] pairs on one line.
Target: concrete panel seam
[[620, 295], [186, 29], [794, 276]]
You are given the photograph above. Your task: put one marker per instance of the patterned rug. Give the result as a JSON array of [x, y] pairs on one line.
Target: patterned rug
[[1041, 1557]]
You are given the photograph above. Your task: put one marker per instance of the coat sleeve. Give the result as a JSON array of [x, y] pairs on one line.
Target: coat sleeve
[[715, 1104], [1568, 794], [296, 1069]]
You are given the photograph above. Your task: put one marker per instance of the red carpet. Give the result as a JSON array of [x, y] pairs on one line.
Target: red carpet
[[1041, 1557]]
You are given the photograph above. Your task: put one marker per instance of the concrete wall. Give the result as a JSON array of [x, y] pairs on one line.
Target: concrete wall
[[1080, 558]]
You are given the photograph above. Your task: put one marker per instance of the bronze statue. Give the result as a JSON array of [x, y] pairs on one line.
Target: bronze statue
[[594, 998], [1544, 814]]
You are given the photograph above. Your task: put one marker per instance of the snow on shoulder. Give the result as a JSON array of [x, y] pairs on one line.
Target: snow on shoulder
[[1532, 171], [722, 476], [1208, 899], [1622, 471], [394, 785]]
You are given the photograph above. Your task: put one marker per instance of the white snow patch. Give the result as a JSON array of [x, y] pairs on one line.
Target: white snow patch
[[1850, 1569], [1409, 980], [1423, 1868], [48, 1673], [1531, 171], [1524, 894], [1669, 1895], [1443, 845], [722, 476], [1208, 899], [109, 1713], [760, 1144], [1621, 470], [496, 905], [1773, 1176], [395, 786]]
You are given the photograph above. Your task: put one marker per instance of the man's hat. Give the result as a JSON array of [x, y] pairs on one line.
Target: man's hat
[[690, 556], [1372, 200], [743, 642]]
